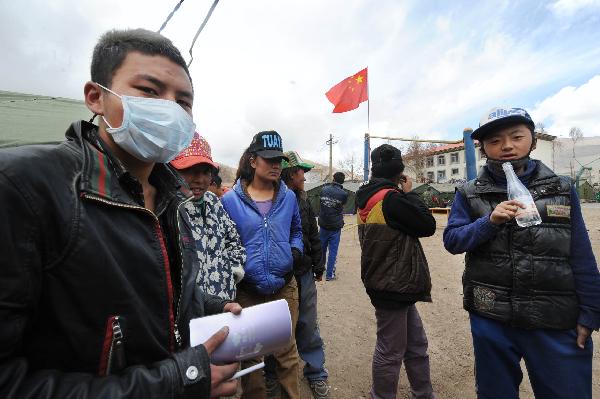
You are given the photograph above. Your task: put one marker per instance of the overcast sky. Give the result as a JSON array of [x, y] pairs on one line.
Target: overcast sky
[[434, 66]]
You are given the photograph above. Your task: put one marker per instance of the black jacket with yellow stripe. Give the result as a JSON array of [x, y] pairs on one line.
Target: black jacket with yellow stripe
[[394, 269]]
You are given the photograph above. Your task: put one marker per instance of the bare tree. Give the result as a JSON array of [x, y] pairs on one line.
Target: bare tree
[[540, 127], [575, 134], [415, 155], [352, 166]]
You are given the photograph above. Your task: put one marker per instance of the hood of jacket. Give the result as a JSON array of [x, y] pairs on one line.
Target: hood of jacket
[[368, 189]]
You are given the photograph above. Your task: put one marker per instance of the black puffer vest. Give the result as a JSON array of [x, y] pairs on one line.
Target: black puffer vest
[[523, 276]]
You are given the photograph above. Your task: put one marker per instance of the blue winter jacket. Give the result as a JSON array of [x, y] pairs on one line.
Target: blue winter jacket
[[268, 240]]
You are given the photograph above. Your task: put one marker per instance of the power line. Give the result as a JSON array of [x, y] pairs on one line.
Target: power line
[[202, 25], [170, 16], [210, 11]]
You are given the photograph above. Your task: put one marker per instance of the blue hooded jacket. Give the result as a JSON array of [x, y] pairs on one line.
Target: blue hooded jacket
[[268, 240]]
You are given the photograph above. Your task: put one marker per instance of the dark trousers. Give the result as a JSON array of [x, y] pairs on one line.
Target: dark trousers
[[557, 367], [400, 338], [330, 241]]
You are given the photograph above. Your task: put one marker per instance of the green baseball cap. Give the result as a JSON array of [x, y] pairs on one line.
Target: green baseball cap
[[295, 160]]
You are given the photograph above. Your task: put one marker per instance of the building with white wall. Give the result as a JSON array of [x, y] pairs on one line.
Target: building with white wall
[[447, 162]]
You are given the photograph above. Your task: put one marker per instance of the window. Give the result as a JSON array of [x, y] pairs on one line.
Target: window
[[430, 176], [454, 171], [441, 160], [441, 176], [454, 157], [429, 162]]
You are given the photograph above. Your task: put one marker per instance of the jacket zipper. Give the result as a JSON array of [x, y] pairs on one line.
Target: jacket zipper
[[178, 339], [116, 354], [266, 246], [173, 332], [112, 358], [252, 205]]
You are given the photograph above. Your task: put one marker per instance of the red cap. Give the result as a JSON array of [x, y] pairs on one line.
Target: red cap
[[196, 153]]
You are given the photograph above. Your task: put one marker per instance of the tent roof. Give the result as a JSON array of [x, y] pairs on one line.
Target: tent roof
[[353, 187], [444, 187], [33, 119]]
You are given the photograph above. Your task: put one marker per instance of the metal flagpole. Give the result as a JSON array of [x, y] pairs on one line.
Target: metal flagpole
[[367, 149], [368, 105]]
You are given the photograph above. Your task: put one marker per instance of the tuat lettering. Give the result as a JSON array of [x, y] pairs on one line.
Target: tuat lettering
[[271, 141]]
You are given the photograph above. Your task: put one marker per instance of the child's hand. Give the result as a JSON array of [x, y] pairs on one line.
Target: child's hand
[[505, 211], [232, 307], [582, 335]]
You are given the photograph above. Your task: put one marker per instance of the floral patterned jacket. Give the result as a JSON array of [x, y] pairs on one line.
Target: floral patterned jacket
[[220, 251]]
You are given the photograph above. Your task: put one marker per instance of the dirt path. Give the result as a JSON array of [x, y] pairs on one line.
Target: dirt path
[[347, 322]]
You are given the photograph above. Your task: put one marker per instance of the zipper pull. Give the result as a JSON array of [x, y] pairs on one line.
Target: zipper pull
[[116, 327], [265, 219], [178, 339], [116, 359]]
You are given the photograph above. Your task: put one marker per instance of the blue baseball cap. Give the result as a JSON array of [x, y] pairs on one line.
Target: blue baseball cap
[[499, 117]]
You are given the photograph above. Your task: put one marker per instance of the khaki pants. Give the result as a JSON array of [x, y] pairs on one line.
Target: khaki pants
[[253, 384]]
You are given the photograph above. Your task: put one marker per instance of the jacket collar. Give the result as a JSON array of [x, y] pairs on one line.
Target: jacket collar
[[540, 174], [240, 189], [104, 176]]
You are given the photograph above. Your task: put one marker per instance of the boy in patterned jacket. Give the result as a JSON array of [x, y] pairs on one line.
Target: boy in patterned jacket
[[220, 251]]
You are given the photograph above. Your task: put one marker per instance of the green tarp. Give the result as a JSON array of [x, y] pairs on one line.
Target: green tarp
[[30, 119]]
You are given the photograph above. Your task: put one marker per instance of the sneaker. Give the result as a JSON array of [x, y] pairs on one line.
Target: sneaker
[[319, 389], [273, 388]]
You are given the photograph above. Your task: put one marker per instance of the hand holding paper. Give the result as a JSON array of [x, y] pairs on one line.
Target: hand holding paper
[[256, 331], [221, 377]]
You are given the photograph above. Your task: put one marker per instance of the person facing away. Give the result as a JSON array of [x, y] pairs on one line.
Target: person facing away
[[97, 274], [331, 220], [532, 293], [309, 269], [268, 220], [218, 246], [395, 273]]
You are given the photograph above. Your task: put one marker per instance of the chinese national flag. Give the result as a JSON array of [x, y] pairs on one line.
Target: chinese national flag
[[349, 93]]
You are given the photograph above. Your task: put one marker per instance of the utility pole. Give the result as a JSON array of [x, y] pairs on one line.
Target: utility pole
[[330, 143]]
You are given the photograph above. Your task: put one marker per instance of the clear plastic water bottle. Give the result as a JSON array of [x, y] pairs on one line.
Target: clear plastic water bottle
[[517, 191]]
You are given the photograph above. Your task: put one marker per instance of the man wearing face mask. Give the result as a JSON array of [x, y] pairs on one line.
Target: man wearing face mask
[[532, 293], [98, 267]]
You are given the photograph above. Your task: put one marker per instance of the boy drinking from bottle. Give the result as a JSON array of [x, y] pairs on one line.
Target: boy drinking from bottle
[[532, 293]]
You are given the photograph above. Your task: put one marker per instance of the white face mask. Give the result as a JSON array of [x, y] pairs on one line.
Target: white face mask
[[153, 129]]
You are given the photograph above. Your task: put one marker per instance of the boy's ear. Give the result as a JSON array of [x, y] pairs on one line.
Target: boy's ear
[[93, 98], [533, 143]]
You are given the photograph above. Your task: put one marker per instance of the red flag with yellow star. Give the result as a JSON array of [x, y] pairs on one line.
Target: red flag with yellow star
[[349, 93]]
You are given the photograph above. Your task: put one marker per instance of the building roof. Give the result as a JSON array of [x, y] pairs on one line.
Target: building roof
[[447, 147], [29, 119]]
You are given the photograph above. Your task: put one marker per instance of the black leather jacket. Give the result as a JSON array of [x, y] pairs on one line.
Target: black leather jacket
[[96, 291]]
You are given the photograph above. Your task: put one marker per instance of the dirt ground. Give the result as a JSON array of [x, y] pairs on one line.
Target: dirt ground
[[347, 322]]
